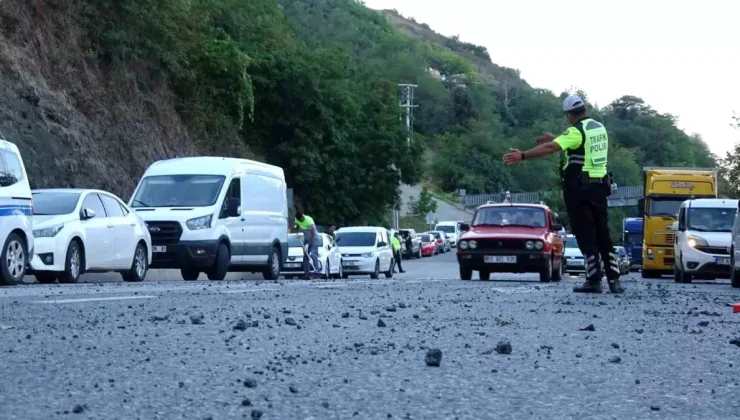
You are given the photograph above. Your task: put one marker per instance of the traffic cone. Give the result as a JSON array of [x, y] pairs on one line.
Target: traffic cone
[[736, 307]]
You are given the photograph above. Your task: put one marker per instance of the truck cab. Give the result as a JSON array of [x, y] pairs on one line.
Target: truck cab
[[632, 238]]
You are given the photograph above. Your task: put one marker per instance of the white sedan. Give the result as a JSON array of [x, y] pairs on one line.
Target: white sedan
[[80, 231], [330, 259]]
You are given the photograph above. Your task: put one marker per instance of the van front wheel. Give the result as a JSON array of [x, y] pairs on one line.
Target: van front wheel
[[221, 265]]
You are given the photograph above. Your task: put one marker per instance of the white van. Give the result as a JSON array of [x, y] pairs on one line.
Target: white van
[[703, 239], [365, 250], [214, 215], [16, 226], [451, 229]]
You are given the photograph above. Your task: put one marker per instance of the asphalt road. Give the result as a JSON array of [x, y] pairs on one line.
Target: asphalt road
[[315, 350]]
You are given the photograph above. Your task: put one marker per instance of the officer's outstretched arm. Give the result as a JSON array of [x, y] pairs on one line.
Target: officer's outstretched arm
[[544, 149]]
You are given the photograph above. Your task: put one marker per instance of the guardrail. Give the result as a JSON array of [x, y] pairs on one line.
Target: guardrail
[[475, 200]]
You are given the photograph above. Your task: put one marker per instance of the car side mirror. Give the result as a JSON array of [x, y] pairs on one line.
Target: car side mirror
[[674, 226], [382, 244], [88, 214], [464, 227], [556, 227], [233, 208]]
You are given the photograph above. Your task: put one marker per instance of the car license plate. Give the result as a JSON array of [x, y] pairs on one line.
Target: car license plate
[[159, 249], [507, 259], [293, 265], [349, 262], [575, 262], [722, 261]]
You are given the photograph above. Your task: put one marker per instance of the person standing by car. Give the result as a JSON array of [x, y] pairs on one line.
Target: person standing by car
[[586, 186], [310, 242], [396, 242], [330, 231]]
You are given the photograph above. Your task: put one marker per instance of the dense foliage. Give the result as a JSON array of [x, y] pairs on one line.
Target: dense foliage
[[312, 86], [731, 165]]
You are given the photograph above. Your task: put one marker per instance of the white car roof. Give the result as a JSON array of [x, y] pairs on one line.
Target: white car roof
[[71, 190], [711, 203], [362, 229]]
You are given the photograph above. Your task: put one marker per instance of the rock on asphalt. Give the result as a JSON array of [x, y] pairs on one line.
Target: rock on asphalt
[[295, 350]]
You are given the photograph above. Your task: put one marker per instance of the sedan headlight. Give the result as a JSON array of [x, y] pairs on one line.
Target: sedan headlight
[[198, 223], [47, 232], [367, 255], [529, 245], [695, 241], [473, 244], [463, 245], [539, 244]]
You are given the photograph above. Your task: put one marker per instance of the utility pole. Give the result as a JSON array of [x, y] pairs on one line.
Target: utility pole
[[407, 103]]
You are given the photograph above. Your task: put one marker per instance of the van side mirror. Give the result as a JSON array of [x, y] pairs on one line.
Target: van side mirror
[[556, 227], [382, 244], [88, 214], [641, 207], [464, 227], [232, 207], [674, 226]]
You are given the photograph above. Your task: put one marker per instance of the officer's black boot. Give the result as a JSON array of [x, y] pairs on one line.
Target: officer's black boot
[[593, 276], [612, 275]]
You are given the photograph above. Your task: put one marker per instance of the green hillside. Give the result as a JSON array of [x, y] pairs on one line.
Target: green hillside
[[307, 85]]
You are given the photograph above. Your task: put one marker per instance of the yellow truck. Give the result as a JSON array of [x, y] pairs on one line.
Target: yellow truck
[[665, 190]]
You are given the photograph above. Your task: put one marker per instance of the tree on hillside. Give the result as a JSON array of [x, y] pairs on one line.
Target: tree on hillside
[[424, 204], [731, 164]]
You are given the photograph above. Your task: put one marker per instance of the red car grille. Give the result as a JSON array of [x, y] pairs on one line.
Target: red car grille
[[501, 243]]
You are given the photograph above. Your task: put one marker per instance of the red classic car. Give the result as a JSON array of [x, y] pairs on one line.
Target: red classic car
[[512, 238]]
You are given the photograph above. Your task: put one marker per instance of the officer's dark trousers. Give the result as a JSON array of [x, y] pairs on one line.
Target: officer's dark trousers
[[587, 211], [397, 256]]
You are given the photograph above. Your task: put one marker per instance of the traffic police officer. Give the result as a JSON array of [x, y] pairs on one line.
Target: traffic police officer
[[586, 186]]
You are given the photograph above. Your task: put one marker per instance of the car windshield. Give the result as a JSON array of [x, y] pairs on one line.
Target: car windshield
[[294, 242], [711, 220], [54, 203], [446, 228], [633, 238], [426, 238], [510, 216], [178, 191], [665, 207], [356, 238], [571, 242]]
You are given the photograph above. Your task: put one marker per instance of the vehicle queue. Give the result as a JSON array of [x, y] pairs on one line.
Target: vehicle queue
[[198, 215]]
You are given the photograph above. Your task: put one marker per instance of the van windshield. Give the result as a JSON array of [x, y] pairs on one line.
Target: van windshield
[[711, 219], [178, 191], [445, 228]]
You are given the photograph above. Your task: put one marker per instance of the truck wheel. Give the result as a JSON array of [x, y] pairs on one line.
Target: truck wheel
[[272, 271]]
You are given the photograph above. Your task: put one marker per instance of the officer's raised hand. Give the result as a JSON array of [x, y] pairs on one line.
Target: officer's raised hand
[[545, 137], [514, 156]]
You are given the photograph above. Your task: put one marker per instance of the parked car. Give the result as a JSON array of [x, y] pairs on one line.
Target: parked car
[[443, 242], [623, 259], [365, 250], [735, 251], [415, 250], [215, 215], [573, 260], [330, 258], [429, 245], [16, 224], [703, 239], [511, 238], [78, 231], [451, 229]]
